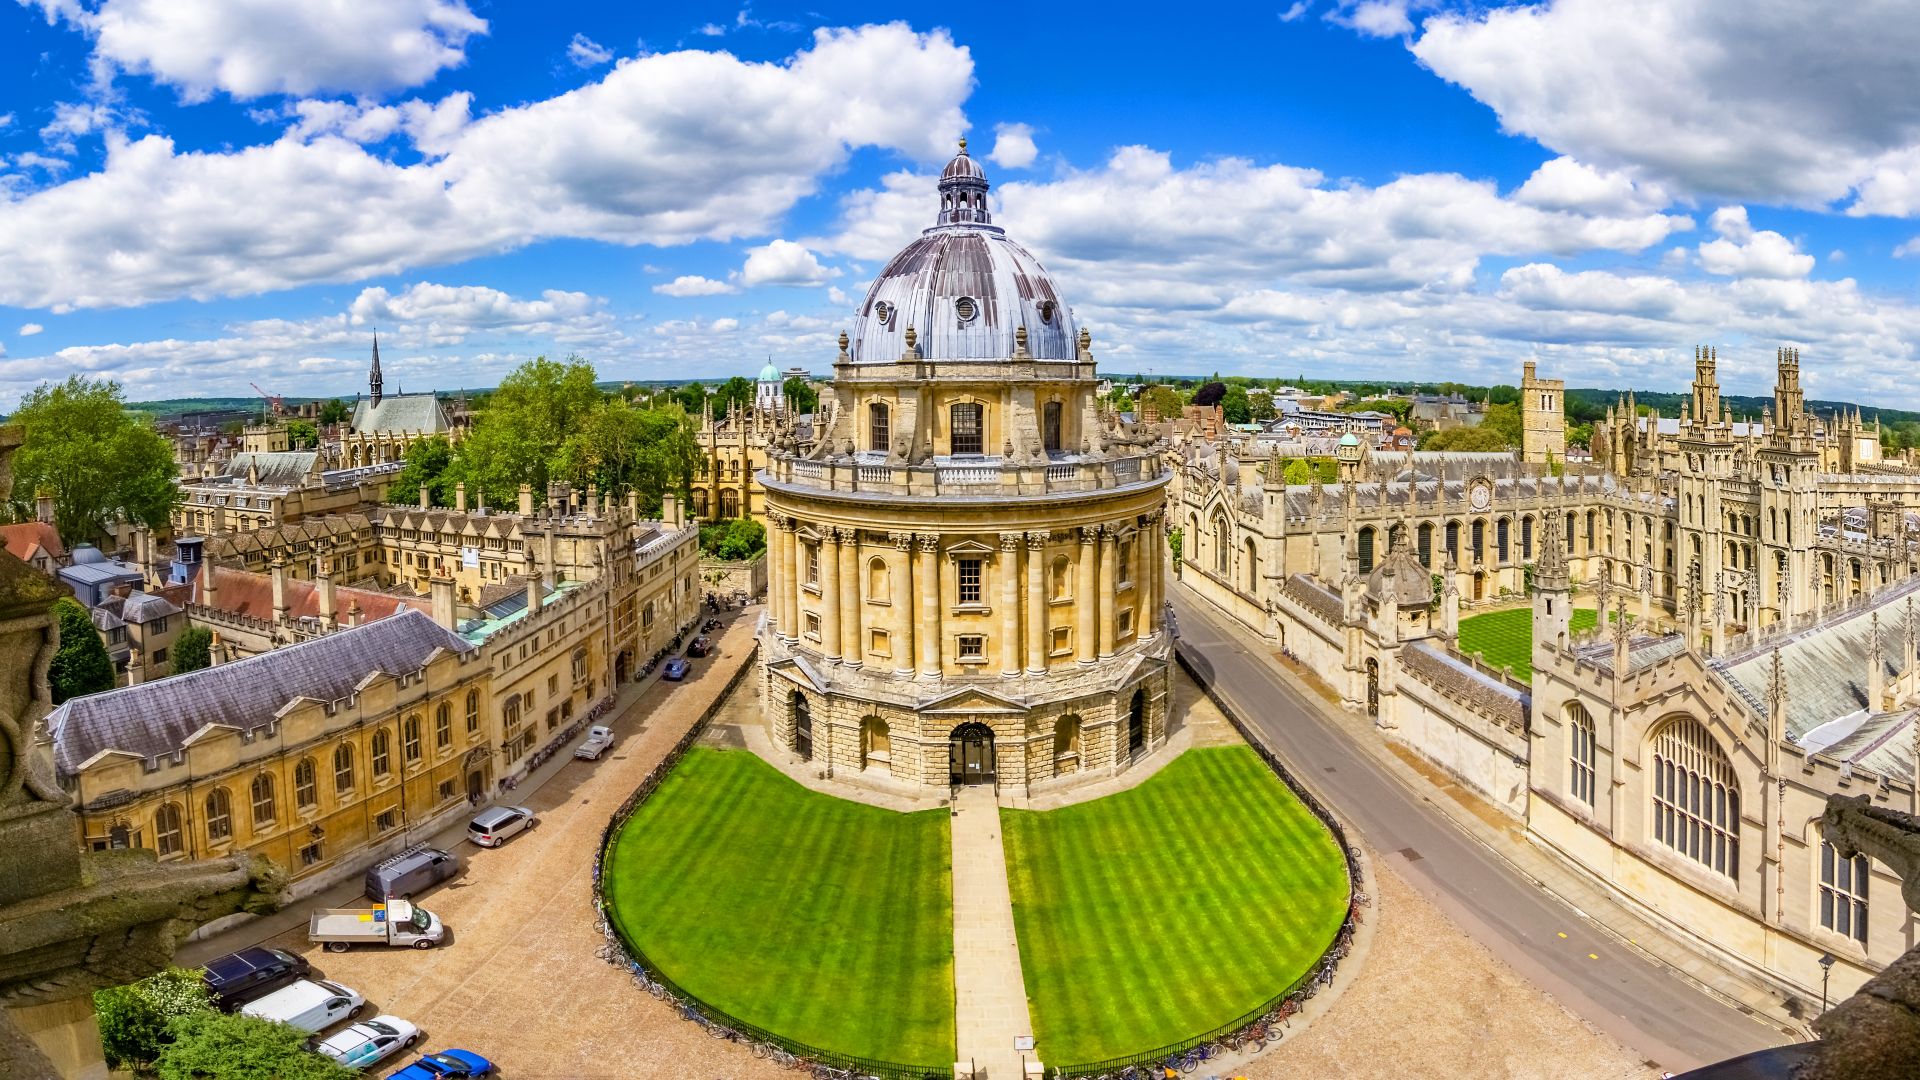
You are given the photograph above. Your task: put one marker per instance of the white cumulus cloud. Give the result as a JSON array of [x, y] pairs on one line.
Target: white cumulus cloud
[[783, 262], [30, 329], [693, 285], [586, 52], [1743, 251], [1013, 146]]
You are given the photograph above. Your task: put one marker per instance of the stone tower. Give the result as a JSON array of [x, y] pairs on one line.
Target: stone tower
[[1552, 589], [1543, 418]]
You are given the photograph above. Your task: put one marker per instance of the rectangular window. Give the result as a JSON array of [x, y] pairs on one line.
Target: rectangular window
[[1126, 562], [813, 625], [1843, 893], [879, 433], [1126, 624], [969, 428], [553, 719], [1050, 426], [1062, 641], [310, 855], [973, 647], [813, 564], [448, 788], [387, 821], [969, 581]]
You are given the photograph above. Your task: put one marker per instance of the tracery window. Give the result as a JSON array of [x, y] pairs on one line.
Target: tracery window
[[473, 711], [343, 768], [382, 753], [410, 737], [1696, 798], [219, 814], [1580, 752], [1843, 893], [443, 726], [306, 786], [168, 838], [262, 790]]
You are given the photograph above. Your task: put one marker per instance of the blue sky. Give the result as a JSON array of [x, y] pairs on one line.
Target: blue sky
[[198, 196]]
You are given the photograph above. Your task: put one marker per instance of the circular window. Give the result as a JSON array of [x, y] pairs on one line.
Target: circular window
[[884, 311], [966, 308], [1046, 311]]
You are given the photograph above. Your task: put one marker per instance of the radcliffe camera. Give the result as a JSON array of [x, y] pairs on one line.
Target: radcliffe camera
[[1369, 539]]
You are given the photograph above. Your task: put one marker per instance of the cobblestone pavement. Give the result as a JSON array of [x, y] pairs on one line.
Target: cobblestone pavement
[[1429, 1001]]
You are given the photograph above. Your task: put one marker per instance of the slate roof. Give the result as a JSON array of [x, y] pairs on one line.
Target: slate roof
[[400, 413], [29, 538], [1825, 665], [157, 718], [280, 468], [1883, 744]]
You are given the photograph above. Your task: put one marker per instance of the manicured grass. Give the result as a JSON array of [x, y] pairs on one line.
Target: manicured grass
[[1504, 638], [1158, 913], [819, 919]]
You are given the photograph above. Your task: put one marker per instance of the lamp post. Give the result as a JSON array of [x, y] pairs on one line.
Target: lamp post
[[1826, 970]]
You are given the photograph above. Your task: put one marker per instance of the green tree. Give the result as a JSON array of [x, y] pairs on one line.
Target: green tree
[[1298, 471], [214, 1044], [1260, 405], [301, 435], [80, 665], [335, 412], [1163, 400], [1504, 421], [518, 435], [740, 538], [801, 392], [101, 462], [692, 397], [1482, 438], [429, 463], [617, 446], [1175, 541], [133, 1018], [1210, 393], [192, 650], [735, 393], [1235, 406]]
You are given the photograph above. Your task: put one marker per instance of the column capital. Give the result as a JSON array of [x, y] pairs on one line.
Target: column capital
[[1089, 534], [902, 541], [1010, 541], [1036, 541], [928, 542]]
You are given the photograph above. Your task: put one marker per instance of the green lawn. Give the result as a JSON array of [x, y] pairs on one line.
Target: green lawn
[[1158, 913], [822, 920], [1505, 638]]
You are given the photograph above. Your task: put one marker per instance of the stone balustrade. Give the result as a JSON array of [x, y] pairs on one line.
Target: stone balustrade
[[990, 477]]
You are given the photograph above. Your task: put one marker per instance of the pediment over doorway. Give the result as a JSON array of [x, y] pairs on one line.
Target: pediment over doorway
[[973, 701]]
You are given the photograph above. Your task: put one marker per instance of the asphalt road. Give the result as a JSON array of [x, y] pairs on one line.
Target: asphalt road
[[1643, 1006]]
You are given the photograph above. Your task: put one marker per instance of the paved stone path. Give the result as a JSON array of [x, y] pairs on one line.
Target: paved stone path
[[990, 996]]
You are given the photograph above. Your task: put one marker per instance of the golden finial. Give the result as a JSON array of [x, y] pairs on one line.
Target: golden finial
[[963, 144]]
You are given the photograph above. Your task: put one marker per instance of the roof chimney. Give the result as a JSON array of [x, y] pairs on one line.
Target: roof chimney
[[526, 500], [323, 581], [441, 588], [43, 506], [460, 496], [426, 498], [279, 572]]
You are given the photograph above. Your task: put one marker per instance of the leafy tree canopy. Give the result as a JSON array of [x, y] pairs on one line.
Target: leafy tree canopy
[[801, 392], [80, 665], [740, 538], [429, 463], [1260, 405], [618, 446], [1235, 406], [133, 1018], [100, 462], [335, 412], [1481, 438], [301, 435], [1163, 400], [234, 1047], [515, 440], [1210, 393], [192, 650]]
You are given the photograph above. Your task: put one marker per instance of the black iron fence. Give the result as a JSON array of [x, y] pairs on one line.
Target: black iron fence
[[621, 951], [1253, 1029]]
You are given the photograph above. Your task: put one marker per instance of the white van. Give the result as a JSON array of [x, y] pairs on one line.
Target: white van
[[310, 1006]]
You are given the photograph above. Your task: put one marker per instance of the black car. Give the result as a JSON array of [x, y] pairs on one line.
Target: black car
[[239, 977], [700, 647]]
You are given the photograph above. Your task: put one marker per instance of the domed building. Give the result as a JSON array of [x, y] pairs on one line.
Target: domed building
[[966, 554]]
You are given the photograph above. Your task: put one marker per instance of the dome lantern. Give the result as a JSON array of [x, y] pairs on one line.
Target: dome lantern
[[963, 191]]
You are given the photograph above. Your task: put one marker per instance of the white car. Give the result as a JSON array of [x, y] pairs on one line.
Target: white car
[[492, 826], [370, 1041], [599, 741]]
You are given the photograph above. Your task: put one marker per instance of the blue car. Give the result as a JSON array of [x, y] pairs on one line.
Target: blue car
[[445, 1065], [675, 670]]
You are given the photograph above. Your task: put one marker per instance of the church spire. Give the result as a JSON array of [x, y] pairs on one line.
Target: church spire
[[373, 373]]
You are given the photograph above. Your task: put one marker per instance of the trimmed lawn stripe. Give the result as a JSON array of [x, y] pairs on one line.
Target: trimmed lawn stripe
[[827, 921], [1505, 638], [1161, 912]]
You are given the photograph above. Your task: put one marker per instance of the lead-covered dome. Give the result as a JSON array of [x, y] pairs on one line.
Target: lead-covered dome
[[964, 288]]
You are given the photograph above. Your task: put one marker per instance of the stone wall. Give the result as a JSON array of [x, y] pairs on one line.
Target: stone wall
[[729, 576]]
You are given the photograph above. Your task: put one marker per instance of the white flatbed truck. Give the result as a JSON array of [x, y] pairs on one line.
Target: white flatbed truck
[[397, 922]]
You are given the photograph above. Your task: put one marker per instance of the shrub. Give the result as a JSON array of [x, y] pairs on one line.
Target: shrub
[[133, 1018], [213, 1044]]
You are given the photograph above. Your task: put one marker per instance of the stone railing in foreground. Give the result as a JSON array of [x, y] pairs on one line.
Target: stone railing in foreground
[[987, 478], [1258, 1026], [622, 952]]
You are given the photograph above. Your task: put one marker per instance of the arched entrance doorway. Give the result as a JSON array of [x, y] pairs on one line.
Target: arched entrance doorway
[[1137, 721], [802, 726], [621, 664], [970, 756]]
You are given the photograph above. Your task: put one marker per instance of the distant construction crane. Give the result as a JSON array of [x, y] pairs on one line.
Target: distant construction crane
[[273, 400]]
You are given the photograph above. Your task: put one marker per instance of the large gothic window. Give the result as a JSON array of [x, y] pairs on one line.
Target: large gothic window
[[969, 428], [1364, 550], [1843, 893], [1580, 752], [1696, 798]]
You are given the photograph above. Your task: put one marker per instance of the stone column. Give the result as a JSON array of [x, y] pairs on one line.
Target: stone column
[[830, 594], [1153, 550], [1109, 558], [790, 596], [1086, 599], [927, 619], [1036, 603], [901, 601], [1009, 571], [776, 571], [852, 626]]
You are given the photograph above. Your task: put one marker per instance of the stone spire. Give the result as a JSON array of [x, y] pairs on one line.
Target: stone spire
[[373, 373], [1876, 666]]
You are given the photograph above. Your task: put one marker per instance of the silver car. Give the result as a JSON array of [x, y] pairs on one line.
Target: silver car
[[491, 827], [370, 1041]]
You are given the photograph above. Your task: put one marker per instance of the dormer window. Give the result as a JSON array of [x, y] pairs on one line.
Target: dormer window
[[1046, 311], [966, 309], [884, 312]]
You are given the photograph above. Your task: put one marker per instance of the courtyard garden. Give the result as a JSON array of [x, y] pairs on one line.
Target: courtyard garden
[[1505, 638], [1159, 913], [827, 921]]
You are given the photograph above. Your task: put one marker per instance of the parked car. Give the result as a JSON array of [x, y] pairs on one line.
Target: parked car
[[700, 647], [599, 741], [448, 1064], [410, 872], [308, 1005], [239, 977], [491, 827], [675, 670], [396, 922], [370, 1041]]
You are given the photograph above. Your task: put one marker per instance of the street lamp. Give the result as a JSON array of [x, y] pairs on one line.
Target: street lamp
[[1826, 970]]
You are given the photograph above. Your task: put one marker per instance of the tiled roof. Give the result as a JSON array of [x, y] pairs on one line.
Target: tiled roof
[[157, 718], [399, 413], [1825, 665], [27, 539], [281, 468], [243, 592]]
